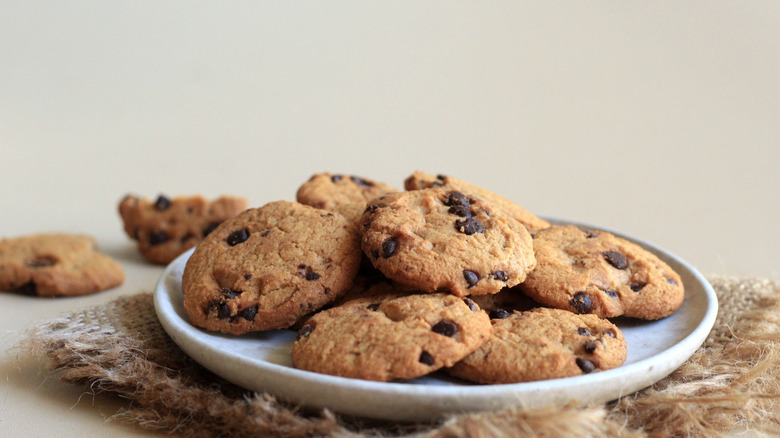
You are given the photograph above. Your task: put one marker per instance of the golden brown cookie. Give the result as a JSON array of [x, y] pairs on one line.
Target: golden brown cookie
[[386, 338], [345, 194], [442, 239], [543, 344], [56, 265], [268, 266], [587, 271], [419, 180], [166, 228]]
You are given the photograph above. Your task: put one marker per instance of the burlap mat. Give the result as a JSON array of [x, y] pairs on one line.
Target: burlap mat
[[730, 384]]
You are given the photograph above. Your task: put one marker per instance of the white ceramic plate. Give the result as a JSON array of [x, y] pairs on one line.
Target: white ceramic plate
[[261, 361]]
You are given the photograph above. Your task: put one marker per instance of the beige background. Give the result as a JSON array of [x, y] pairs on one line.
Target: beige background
[[660, 119]]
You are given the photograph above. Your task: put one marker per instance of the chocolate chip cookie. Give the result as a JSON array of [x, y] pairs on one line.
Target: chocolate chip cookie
[[419, 180], [587, 271], [165, 228], [385, 338], [268, 266], [54, 265], [443, 239], [345, 194], [542, 344]]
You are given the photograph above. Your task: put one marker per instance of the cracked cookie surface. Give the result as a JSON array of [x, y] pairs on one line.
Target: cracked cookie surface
[[588, 271], [390, 337], [268, 266], [542, 344], [443, 239]]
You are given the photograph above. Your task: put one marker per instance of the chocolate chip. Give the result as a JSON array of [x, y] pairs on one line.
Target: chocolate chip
[[371, 208], [581, 302], [336, 178], [585, 365], [582, 331], [671, 281], [247, 276], [456, 199], [219, 309], [611, 294], [29, 288], [311, 275], [636, 287], [589, 234], [248, 313], [265, 233], [436, 184], [388, 247], [610, 333], [616, 259], [441, 177], [460, 210], [472, 305], [229, 294], [157, 237], [360, 181], [210, 228], [237, 237], [305, 331], [471, 278], [498, 313], [500, 275], [446, 328], [590, 347], [427, 359], [162, 203], [41, 262], [374, 307], [469, 226]]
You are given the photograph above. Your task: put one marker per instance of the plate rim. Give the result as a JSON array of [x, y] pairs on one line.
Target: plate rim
[[676, 354]]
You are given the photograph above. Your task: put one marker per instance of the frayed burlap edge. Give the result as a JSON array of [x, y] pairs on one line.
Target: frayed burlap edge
[[731, 383]]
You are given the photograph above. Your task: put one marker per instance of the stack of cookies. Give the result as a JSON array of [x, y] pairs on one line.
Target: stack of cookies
[[387, 285]]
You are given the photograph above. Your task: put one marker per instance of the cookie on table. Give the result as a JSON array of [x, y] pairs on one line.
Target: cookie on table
[[165, 228], [385, 338], [56, 265], [419, 180], [345, 194], [268, 266], [587, 271], [542, 344], [446, 240]]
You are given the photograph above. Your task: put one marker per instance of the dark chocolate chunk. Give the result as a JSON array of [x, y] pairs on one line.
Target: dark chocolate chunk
[[498, 313], [247, 276], [311, 275], [472, 305], [671, 281], [360, 181], [157, 237], [305, 331], [373, 306], [237, 237], [29, 288], [446, 328], [219, 309], [582, 331], [589, 234], [441, 177], [41, 262], [471, 278], [610, 293], [610, 333], [616, 259], [469, 226], [500, 275], [585, 365], [456, 198], [590, 347], [336, 178], [229, 294], [581, 302], [427, 359], [162, 203], [248, 313], [388, 247], [636, 287], [460, 210], [372, 208]]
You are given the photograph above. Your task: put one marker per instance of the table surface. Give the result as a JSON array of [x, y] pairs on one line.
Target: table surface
[[659, 120]]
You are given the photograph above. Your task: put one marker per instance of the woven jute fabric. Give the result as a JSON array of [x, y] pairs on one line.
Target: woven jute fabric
[[731, 384]]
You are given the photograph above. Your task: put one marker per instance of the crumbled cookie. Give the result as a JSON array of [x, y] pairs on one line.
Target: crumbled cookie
[[586, 271], [543, 344], [165, 228], [54, 265], [419, 180], [443, 239], [345, 194], [385, 338], [268, 266]]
